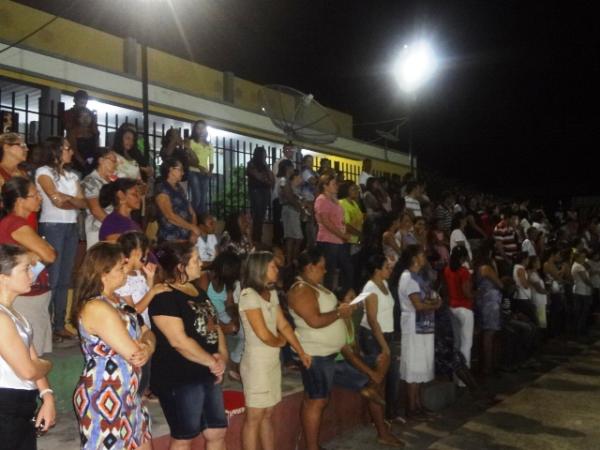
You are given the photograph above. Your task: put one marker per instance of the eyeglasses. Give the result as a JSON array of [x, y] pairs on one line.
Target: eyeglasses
[[19, 144]]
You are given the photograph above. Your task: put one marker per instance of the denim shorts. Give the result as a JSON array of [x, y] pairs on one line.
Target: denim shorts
[[192, 408], [318, 379]]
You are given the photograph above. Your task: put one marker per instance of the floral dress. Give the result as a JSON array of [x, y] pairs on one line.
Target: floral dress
[[107, 404]]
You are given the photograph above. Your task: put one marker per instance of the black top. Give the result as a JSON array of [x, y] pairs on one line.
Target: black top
[[263, 180], [169, 367]]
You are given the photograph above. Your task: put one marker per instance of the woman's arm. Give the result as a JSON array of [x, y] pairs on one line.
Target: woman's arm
[[303, 301], [57, 198], [467, 287], [353, 358], [419, 305], [324, 220], [32, 241], [371, 306], [521, 275], [172, 328], [390, 239], [287, 332], [17, 355], [257, 322], [490, 273], [77, 201], [93, 205], [164, 204], [102, 320], [47, 412], [471, 221]]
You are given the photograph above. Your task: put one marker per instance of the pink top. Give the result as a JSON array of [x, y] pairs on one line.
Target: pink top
[[335, 213]]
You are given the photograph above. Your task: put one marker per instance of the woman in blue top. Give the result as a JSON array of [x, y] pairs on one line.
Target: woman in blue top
[[176, 217]]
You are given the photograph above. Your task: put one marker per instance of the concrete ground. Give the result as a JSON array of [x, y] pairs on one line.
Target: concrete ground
[[556, 405]]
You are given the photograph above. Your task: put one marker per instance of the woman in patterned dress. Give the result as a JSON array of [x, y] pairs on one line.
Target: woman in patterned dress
[[176, 218], [108, 407]]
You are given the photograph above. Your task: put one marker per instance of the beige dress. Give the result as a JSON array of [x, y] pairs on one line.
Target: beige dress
[[260, 367]]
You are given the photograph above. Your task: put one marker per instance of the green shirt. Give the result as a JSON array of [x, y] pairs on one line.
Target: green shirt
[[204, 152], [349, 340], [352, 216]]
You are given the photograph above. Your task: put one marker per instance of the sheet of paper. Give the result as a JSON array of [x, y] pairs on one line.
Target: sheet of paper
[[37, 269], [360, 298]]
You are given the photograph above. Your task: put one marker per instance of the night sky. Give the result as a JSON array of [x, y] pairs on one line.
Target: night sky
[[512, 109]]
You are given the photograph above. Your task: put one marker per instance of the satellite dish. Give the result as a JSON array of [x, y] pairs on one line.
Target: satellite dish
[[388, 136], [298, 115]]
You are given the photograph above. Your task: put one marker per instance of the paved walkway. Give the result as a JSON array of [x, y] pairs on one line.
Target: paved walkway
[[550, 408]]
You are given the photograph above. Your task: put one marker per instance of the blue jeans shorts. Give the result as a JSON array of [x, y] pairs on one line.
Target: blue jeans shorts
[[318, 379], [192, 408]]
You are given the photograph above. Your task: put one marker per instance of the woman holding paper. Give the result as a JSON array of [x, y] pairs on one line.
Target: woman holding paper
[[322, 334], [418, 304], [21, 198]]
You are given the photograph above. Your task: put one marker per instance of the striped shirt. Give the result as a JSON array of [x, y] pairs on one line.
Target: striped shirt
[[413, 205], [504, 235], [443, 218]]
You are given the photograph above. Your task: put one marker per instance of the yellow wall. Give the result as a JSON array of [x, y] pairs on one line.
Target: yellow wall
[[186, 76], [62, 37]]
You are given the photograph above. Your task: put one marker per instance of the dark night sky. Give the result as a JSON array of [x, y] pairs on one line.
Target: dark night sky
[[514, 107]]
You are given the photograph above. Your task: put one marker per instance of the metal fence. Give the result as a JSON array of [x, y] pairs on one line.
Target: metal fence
[[228, 186]]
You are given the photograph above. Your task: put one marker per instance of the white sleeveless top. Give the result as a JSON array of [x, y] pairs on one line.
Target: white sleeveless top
[[522, 293], [8, 378], [385, 307], [324, 341]]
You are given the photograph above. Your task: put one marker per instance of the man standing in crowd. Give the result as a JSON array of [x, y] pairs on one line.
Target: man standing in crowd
[[201, 166], [411, 199], [443, 212], [365, 174], [82, 130], [506, 241]]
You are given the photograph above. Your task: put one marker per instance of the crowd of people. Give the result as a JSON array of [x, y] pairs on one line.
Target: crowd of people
[[356, 277]]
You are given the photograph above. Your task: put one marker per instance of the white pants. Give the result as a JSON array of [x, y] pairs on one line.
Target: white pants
[[462, 328]]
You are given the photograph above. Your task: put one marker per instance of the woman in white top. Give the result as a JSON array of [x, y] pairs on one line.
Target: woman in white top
[[458, 237], [582, 294], [418, 305], [266, 330], [539, 295], [391, 243], [523, 299], [321, 332], [61, 198], [377, 324], [22, 373]]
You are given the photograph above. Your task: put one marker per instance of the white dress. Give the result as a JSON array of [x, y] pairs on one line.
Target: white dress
[[540, 300], [417, 358]]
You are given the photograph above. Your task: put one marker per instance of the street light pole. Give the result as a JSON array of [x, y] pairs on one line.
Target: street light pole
[[415, 65], [145, 111]]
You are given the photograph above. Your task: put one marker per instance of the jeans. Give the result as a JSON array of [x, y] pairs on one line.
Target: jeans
[[64, 238], [17, 408], [337, 256], [581, 310], [199, 184], [277, 224], [192, 408], [259, 202]]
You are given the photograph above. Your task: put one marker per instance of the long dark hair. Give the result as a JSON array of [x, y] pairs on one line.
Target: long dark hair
[[232, 226], [374, 263], [52, 153], [227, 267], [456, 220], [133, 153], [173, 255], [308, 257], [98, 261], [108, 192], [130, 240], [12, 190], [404, 263], [458, 256], [256, 157]]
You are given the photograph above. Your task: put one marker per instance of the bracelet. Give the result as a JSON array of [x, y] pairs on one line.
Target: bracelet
[[44, 392]]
